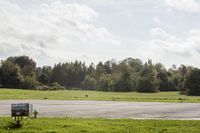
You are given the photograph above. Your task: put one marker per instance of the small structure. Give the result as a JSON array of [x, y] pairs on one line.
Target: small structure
[[35, 113], [21, 109]]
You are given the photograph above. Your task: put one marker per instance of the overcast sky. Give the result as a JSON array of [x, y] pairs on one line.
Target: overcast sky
[[50, 31]]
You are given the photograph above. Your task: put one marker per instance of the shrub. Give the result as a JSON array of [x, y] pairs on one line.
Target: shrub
[[43, 88], [29, 83], [89, 83], [56, 86]]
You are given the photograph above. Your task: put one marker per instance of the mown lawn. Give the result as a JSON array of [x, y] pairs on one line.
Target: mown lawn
[[7, 94], [78, 125]]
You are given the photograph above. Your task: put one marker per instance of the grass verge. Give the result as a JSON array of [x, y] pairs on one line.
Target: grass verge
[[79, 125], [14, 94]]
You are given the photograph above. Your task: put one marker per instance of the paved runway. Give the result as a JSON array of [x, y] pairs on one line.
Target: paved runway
[[109, 109]]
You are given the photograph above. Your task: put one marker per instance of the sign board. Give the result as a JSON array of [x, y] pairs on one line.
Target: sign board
[[21, 109]]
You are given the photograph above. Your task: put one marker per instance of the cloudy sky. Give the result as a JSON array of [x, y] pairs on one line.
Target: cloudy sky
[[50, 31]]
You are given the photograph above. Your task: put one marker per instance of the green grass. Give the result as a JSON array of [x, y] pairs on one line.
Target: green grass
[[8, 94], [79, 125]]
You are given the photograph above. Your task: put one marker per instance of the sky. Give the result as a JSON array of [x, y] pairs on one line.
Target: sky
[[52, 31]]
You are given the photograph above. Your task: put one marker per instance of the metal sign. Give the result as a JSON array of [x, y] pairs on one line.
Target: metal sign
[[21, 109]]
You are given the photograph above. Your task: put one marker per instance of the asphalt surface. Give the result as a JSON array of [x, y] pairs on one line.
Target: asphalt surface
[[109, 109]]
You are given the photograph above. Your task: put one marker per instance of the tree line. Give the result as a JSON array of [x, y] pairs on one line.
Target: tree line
[[123, 76]]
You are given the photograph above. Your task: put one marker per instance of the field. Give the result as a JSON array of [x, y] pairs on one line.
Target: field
[[78, 125], [8, 94], [97, 125]]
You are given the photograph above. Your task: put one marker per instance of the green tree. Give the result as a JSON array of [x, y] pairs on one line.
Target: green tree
[[77, 74], [100, 69], [11, 76], [124, 82], [27, 70], [89, 83], [182, 70], [147, 81], [1, 74], [69, 74], [44, 74], [162, 75], [107, 67], [105, 83], [91, 70], [26, 64], [58, 74], [135, 64], [192, 83], [29, 83]]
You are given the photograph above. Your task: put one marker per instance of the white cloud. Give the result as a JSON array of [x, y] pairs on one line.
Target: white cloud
[[170, 49], [52, 32], [184, 5], [162, 34], [157, 21]]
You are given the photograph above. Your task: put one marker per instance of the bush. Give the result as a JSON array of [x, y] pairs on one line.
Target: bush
[[43, 88], [29, 83], [56, 86], [89, 83]]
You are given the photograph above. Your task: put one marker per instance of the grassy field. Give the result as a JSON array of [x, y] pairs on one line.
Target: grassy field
[[7, 94], [78, 125]]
